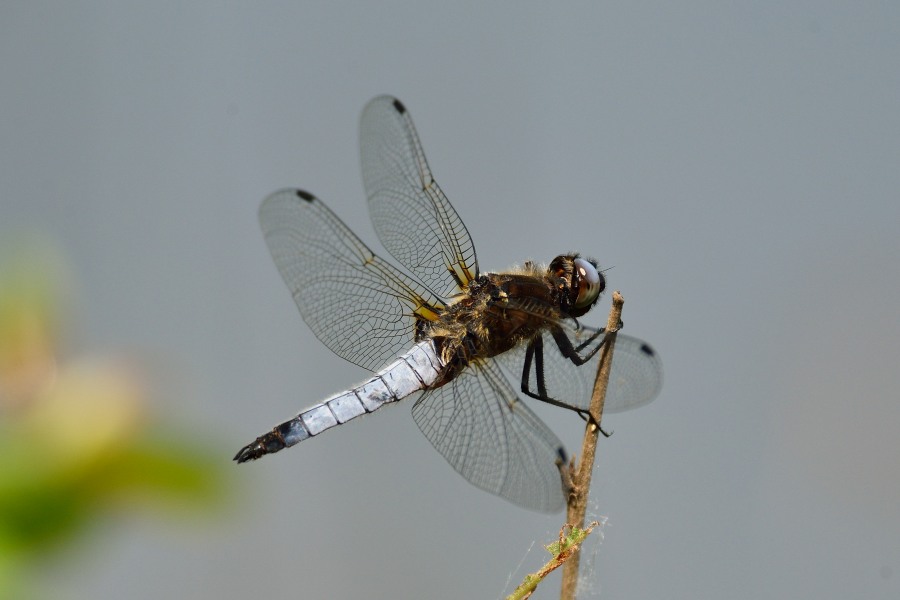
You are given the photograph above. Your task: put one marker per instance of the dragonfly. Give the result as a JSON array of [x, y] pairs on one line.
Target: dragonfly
[[442, 333]]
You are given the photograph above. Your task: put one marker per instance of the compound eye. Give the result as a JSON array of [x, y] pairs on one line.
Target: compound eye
[[590, 283]]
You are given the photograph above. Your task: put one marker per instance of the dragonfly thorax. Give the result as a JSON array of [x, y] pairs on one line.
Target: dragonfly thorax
[[495, 313]]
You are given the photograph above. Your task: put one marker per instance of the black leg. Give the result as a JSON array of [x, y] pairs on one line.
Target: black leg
[[539, 366], [573, 352], [534, 352]]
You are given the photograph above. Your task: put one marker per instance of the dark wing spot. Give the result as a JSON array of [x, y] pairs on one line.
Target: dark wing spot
[[646, 349], [305, 195], [399, 106]]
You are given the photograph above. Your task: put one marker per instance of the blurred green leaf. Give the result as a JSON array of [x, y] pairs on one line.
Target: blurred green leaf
[[76, 442]]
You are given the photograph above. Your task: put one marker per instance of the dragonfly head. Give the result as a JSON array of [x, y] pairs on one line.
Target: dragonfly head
[[578, 282]]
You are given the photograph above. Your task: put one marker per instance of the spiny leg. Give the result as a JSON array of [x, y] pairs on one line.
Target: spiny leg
[[572, 352], [535, 352]]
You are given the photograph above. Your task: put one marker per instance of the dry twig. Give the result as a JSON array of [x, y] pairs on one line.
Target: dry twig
[[581, 475]]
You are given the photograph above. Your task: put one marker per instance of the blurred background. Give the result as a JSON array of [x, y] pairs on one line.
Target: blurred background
[[737, 165]]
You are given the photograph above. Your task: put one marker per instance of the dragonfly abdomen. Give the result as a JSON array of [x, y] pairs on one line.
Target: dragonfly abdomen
[[415, 370]]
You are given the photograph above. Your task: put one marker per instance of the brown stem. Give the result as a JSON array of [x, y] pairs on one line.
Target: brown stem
[[581, 475]]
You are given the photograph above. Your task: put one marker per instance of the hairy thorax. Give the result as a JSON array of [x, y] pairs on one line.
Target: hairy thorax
[[496, 313]]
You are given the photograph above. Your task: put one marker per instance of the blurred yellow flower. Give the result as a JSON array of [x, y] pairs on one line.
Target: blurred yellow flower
[[90, 407]]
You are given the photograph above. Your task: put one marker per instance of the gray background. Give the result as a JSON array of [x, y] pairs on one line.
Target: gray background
[[738, 165]]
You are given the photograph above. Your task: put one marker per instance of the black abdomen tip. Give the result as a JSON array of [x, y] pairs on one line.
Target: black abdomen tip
[[265, 444], [248, 452]]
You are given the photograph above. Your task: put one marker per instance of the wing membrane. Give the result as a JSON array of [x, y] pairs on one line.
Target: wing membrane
[[412, 216], [479, 424], [357, 304]]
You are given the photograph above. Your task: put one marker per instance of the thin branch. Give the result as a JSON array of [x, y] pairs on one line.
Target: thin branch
[[562, 550], [581, 475]]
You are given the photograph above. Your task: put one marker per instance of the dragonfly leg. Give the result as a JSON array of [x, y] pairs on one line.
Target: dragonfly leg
[[573, 352], [534, 354], [589, 418]]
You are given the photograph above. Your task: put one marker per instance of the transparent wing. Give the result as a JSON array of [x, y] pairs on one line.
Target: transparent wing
[[358, 305], [412, 216], [479, 424], [635, 379]]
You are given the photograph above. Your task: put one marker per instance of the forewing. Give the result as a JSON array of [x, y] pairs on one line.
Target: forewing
[[478, 423], [358, 305], [412, 216], [635, 378]]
